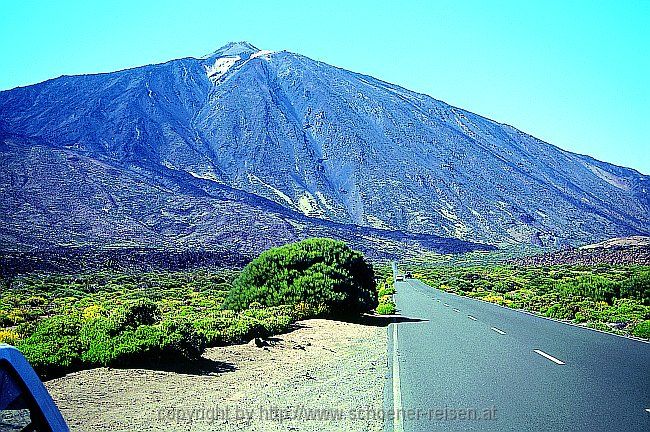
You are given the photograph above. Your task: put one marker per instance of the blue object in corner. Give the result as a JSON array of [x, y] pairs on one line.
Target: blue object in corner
[[25, 404]]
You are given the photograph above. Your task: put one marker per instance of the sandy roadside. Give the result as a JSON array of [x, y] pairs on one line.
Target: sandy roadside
[[324, 376]]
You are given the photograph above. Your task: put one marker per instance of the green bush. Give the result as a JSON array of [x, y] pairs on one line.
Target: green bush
[[277, 324], [637, 287], [97, 339], [642, 329], [560, 311], [580, 317], [244, 329], [246, 326], [274, 320], [106, 344], [180, 340], [384, 291], [9, 337], [501, 287], [136, 313], [386, 308], [594, 295], [599, 326], [54, 346], [212, 329], [322, 273], [625, 310], [593, 286]]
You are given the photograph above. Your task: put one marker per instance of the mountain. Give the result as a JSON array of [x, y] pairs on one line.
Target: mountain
[[244, 148]]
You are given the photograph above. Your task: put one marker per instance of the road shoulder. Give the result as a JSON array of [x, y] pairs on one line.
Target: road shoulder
[[324, 376]]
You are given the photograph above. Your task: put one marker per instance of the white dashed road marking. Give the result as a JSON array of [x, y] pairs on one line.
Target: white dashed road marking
[[471, 317], [497, 330], [549, 357]]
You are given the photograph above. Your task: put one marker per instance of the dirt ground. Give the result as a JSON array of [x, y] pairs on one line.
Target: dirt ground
[[323, 376]]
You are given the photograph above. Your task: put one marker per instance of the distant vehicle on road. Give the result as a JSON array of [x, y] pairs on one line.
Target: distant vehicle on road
[[25, 404], [408, 276], [399, 278]]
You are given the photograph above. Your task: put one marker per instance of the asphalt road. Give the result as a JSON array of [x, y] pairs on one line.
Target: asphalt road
[[456, 354]]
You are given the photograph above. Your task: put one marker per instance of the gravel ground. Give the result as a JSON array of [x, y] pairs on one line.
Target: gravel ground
[[324, 376]]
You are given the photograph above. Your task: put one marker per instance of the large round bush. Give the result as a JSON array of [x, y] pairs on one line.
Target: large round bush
[[323, 273]]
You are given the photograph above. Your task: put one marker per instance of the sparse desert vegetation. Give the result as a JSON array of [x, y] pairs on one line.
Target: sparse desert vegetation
[[65, 322], [606, 297]]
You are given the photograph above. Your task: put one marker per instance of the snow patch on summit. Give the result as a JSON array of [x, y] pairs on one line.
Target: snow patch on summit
[[263, 53], [221, 66]]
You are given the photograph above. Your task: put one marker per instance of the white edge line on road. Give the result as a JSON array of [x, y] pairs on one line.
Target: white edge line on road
[[397, 388], [523, 311], [497, 330], [549, 357], [471, 317]]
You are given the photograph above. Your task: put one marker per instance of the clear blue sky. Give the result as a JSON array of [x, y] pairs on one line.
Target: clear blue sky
[[573, 73]]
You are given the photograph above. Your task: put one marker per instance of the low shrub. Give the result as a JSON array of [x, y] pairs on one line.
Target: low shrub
[[579, 317], [599, 326], [274, 320], [92, 311], [244, 329], [492, 298], [560, 311], [624, 310], [593, 286], [109, 342], [502, 287], [386, 308], [230, 327], [642, 329], [9, 336], [54, 347], [180, 340], [97, 339], [304, 310], [637, 287], [136, 313], [212, 329], [384, 291]]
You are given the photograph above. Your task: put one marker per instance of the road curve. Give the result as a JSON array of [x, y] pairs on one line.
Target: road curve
[[468, 365]]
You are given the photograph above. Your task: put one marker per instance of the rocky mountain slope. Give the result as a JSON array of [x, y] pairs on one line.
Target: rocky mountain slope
[[617, 251], [244, 144]]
